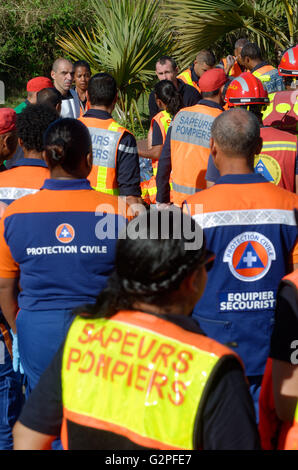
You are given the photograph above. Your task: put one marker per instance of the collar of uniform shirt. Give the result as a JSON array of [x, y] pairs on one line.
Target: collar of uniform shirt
[[211, 104], [241, 179], [98, 113], [71, 184], [262, 64], [30, 162]]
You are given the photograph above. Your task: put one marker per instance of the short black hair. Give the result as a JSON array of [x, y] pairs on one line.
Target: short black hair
[[81, 63], [207, 57], [49, 96], [252, 51], [166, 58], [102, 89], [32, 123], [67, 142]]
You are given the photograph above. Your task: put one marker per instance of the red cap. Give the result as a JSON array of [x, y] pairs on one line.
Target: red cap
[[212, 80], [8, 119], [39, 83]]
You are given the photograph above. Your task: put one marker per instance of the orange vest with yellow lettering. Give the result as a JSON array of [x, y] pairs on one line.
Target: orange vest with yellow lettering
[[138, 376], [190, 149], [185, 76], [105, 135]]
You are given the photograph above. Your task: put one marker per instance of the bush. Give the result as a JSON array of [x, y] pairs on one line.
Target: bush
[[28, 32]]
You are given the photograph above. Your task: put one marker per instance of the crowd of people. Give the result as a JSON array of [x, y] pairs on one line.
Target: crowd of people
[[152, 309]]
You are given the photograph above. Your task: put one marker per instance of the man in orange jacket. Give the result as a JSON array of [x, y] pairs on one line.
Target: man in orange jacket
[[186, 148]]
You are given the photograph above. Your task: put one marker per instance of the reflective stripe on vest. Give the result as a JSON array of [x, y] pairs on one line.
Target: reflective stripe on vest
[[292, 436], [139, 376], [269, 77], [190, 149], [105, 135], [186, 78], [15, 193], [263, 73]]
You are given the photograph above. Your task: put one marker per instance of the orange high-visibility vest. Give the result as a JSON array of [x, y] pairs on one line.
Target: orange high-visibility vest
[[185, 76], [134, 374], [149, 188], [190, 149], [282, 112], [235, 71], [105, 135], [263, 71]]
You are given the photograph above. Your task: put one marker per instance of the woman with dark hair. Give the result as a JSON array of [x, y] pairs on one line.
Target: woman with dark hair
[[135, 371], [58, 246], [82, 75], [169, 100]]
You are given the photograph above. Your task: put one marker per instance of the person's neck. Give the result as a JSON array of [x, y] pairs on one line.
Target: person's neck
[[175, 83], [32, 154], [236, 165], [171, 309], [216, 99], [63, 92], [58, 173], [81, 94], [107, 109], [254, 63]]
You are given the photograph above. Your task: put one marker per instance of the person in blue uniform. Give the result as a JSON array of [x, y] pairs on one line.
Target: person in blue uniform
[[58, 246]]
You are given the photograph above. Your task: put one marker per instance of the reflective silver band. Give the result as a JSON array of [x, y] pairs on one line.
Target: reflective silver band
[[245, 217], [184, 189], [16, 193]]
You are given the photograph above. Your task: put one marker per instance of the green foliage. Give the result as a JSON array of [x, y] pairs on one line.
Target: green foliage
[[201, 24], [28, 31], [127, 39]]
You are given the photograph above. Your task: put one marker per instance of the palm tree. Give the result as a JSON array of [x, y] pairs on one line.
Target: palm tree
[[126, 41], [200, 24]]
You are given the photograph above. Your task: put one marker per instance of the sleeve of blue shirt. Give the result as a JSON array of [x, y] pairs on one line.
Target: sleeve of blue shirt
[[156, 135], [164, 171], [212, 173], [128, 170]]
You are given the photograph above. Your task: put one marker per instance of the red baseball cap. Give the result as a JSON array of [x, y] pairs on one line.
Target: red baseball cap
[[8, 119], [39, 83], [212, 80]]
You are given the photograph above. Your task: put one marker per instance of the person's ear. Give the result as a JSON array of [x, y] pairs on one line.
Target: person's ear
[[53, 74], [89, 160], [159, 103], [214, 151], [44, 157], [20, 142]]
